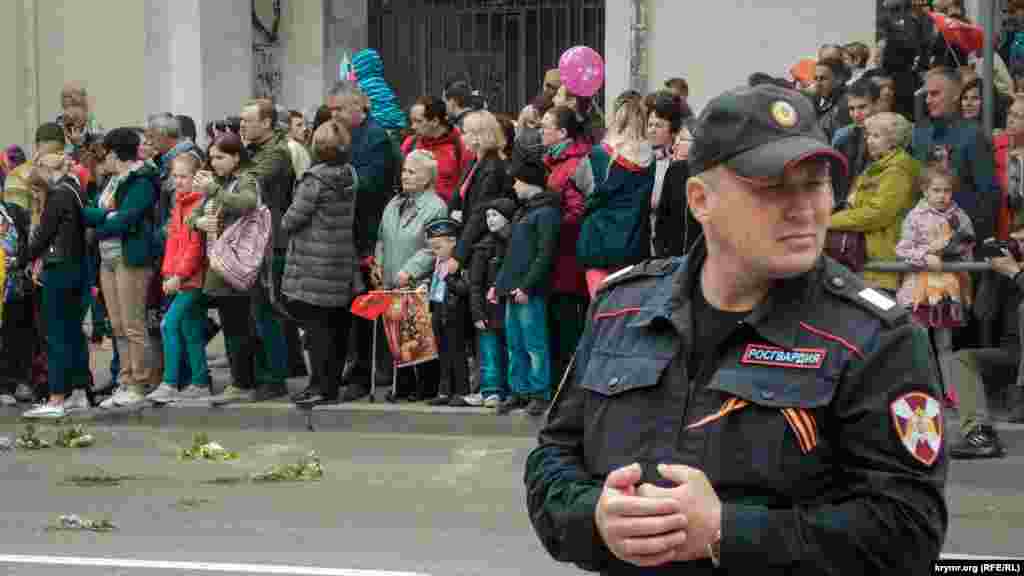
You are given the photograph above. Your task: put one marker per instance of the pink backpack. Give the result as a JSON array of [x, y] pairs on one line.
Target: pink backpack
[[238, 253]]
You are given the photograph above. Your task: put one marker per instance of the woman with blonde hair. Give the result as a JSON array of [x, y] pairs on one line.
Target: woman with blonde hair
[[321, 267], [616, 230], [882, 195], [58, 244], [484, 182]]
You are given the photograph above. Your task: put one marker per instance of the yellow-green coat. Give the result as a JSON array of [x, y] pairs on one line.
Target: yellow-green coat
[[881, 197]]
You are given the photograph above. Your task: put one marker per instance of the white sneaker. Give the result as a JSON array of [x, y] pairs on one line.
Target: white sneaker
[[492, 401], [164, 394], [129, 396], [77, 402], [49, 411], [193, 392], [474, 399], [7, 400], [109, 403]]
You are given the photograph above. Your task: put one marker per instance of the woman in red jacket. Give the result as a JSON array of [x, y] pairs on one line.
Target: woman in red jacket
[[433, 132], [567, 157], [1009, 160], [183, 327]]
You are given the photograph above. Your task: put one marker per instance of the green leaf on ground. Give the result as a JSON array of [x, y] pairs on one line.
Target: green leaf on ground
[[308, 468], [74, 437], [28, 440], [76, 523], [203, 449]]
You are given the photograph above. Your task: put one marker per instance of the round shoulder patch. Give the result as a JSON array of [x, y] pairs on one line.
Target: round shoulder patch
[[917, 418], [784, 114]]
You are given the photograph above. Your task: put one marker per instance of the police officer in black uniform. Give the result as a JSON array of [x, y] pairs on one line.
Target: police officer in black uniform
[[753, 407]]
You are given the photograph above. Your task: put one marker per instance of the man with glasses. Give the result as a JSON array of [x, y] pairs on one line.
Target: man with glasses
[[752, 407]]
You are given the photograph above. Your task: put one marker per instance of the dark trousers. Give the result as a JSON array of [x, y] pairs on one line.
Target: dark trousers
[[272, 350], [567, 314], [18, 338], [325, 328], [296, 362], [450, 334], [236, 322], [67, 353]]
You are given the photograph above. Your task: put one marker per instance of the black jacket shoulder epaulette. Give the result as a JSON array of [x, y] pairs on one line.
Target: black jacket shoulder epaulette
[[840, 281], [653, 268]]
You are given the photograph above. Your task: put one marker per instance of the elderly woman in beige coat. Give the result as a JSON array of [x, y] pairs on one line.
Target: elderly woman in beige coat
[[882, 195]]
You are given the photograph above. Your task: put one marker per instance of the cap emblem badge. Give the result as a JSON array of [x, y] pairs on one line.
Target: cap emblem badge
[[784, 114]]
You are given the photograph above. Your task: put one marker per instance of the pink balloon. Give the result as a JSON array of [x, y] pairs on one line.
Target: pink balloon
[[582, 70]]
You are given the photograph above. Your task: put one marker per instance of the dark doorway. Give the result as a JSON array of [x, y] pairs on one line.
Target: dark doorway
[[502, 47]]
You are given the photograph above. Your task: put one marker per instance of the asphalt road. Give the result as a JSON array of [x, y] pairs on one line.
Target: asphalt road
[[433, 505], [390, 504]]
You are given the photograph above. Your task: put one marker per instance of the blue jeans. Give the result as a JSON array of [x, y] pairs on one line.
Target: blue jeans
[[529, 360], [492, 350], [183, 329]]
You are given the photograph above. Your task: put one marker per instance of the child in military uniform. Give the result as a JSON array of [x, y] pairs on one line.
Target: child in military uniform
[[448, 294]]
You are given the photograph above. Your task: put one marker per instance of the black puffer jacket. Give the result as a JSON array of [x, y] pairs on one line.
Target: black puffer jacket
[[60, 236], [321, 265]]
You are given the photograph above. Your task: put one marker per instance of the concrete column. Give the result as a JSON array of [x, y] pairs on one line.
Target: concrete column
[[303, 29], [617, 43], [18, 109], [226, 64], [198, 58]]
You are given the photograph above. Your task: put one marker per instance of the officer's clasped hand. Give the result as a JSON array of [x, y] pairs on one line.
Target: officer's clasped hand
[[641, 530], [697, 500]]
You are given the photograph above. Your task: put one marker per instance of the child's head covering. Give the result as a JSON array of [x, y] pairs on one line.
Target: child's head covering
[[442, 228]]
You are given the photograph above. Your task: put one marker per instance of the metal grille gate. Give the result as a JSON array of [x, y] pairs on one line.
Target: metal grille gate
[[502, 47]]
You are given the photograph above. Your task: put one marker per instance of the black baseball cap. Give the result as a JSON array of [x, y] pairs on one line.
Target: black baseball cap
[[758, 132]]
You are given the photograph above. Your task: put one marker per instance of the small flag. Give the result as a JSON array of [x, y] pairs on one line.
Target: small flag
[[371, 306]]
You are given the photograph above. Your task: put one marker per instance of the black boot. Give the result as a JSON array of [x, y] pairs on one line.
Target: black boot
[[981, 442]]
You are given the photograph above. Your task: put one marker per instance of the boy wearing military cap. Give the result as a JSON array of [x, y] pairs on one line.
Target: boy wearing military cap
[[753, 407], [448, 295], [525, 279]]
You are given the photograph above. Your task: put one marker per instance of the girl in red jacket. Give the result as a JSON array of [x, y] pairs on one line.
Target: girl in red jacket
[[184, 323]]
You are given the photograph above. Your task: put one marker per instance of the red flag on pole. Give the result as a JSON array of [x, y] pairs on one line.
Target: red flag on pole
[[371, 305], [967, 37]]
